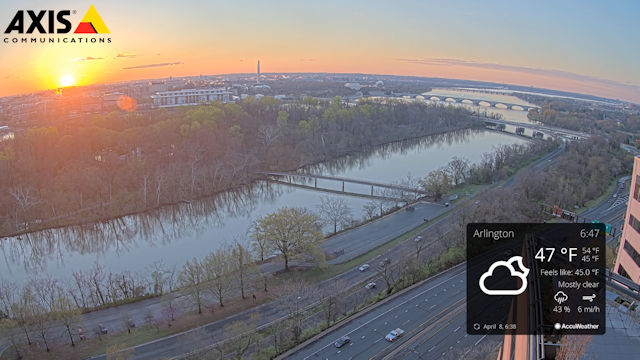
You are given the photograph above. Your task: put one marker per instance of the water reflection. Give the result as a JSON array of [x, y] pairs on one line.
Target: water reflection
[[175, 233], [365, 158]]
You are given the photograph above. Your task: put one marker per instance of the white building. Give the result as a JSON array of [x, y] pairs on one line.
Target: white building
[[189, 97]]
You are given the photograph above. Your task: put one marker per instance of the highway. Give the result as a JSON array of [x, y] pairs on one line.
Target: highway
[[612, 209], [433, 314], [437, 303], [359, 240], [387, 228]]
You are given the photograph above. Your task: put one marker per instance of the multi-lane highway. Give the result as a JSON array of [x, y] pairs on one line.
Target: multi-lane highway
[[611, 210], [437, 304]]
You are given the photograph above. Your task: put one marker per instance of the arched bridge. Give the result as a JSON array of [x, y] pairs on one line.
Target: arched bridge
[[476, 102]]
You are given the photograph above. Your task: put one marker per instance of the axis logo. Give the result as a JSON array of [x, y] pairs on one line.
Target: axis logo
[[52, 22], [92, 23]]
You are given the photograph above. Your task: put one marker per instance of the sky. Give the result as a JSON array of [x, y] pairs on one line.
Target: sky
[[589, 47]]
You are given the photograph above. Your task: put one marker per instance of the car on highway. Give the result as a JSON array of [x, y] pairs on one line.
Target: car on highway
[[384, 262], [342, 341], [364, 267], [370, 286], [393, 335]]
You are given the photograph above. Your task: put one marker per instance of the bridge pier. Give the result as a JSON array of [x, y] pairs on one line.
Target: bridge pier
[[343, 186], [371, 190], [315, 185]]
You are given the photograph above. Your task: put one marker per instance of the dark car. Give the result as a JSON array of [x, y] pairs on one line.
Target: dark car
[[384, 262], [342, 341]]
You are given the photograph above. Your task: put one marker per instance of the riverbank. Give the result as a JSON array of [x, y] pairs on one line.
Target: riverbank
[[366, 257], [94, 214]]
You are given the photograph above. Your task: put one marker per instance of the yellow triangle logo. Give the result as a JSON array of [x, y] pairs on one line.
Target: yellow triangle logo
[[92, 20]]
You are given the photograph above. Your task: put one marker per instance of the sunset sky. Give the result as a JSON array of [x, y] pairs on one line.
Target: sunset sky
[[583, 46]]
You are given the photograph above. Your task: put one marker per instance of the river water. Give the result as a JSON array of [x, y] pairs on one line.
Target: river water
[[507, 114], [177, 233]]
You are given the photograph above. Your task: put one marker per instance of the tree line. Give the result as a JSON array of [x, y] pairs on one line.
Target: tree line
[[84, 170]]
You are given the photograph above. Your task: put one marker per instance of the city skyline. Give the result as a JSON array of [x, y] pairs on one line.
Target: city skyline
[[586, 48]]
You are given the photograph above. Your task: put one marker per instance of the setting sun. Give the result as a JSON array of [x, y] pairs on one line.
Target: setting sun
[[67, 80]]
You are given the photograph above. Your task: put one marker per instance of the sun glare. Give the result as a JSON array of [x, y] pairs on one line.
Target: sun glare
[[67, 80]]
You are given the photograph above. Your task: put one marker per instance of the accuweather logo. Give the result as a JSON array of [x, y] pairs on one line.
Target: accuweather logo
[[45, 26], [512, 270]]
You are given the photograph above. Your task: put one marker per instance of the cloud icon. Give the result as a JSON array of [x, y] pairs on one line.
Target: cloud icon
[[512, 270]]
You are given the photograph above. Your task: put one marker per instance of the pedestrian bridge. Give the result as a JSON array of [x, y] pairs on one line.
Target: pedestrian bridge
[[390, 192]]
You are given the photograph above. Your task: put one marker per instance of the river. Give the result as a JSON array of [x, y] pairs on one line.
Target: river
[[477, 95], [175, 234]]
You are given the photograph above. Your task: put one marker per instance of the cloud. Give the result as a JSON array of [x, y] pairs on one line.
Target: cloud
[[87, 58], [520, 69], [125, 55], [151, 65], [508, 264]]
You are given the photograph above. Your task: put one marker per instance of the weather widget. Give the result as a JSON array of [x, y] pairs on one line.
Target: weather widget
[[536, 278]]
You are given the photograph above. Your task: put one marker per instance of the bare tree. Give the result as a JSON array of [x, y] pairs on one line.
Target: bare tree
[[259, 243], [169, 309], [23, 312], [419, 244], [295, 295], [25, 200], [334, 211], [82, 292], [411, 182], [8, 331], [458, 168], [192, 279], [268, 134], [371, 210], [96, 279], [241, 336], [7, 297], [42, 322], [217, 269], [329, 297], [573, 347], [388, 274], [65, 311], [243, 266]]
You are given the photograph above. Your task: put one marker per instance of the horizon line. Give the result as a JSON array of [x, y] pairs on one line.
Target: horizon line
[[337, 73]]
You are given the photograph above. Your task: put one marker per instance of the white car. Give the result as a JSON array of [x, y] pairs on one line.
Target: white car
[[393, 335], [370, 286], [364, 267]]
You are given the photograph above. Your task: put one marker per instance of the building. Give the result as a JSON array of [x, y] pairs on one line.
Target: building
[[110, 101], [628, 259], [189, 97]]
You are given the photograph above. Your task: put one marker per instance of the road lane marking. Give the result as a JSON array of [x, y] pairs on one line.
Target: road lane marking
[[458, 328], [463, 272], [482, 338], [411, 339]]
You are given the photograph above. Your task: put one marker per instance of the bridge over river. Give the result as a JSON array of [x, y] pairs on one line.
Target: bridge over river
[[390, 192]]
